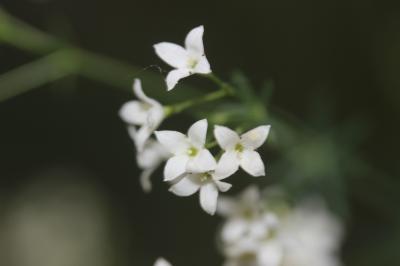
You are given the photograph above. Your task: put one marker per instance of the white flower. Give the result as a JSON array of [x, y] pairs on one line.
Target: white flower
[[246, 217], [311, 236], [241, 150], [162, 262], [145, 112], [189, 154], [186, 60], [148, 159], [209, 183]]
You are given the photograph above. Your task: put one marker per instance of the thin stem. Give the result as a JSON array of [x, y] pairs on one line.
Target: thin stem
[[222, 84], [179, 107]]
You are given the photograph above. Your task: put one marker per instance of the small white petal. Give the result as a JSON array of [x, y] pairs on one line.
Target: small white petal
[[132, 112], [209, 197], [270, 254], [227, 206], [202, 66], [227, 165], [197, 133], [132, 132], [187, 186], [174, 141], [250, 196], [152, 155], [175, 167], [194, 41], [234, 229], [137, 89], [144, 179], [172, 54], [252, 163], [226, 138], [202, 162], [254, 138], [174, 76], [223, 186], [162, 262], [142, 135]]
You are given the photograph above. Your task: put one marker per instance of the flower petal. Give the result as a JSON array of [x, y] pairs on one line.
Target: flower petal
[[226, 137], [175, 167], [270, 253], [144, 179], [194, 41], [252, 163], [209, 197], [132, 112], [162, 262], [174, 141], [152, 155], [172, 54], [204, 161], [187, 186], [223, 186], [202, 66], [197, 133], [175, 75], [254, 138], [137, 89], [227, 165], [141, 137], [227, 206]]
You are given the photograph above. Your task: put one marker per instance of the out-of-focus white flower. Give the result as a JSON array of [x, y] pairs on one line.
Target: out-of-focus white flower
[[189, 154], [240, 150], [149, 158], [311, 236], [144, 112], [306, 235], [246, 216], [186, 60], [162, 262], [209, 183]]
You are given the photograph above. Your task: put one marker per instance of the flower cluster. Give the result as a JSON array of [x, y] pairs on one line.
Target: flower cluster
[[190, 166], [254, 233], [258, 235]]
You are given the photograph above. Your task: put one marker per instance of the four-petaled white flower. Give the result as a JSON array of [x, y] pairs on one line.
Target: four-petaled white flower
[[189, 153], [209, 183], [162, 262], [145, 112], [240, 150], [149, 158], [186, 60]]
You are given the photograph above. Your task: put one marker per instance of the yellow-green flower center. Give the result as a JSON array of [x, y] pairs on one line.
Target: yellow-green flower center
[[239, 147], [205, 177], [192, 151], [192, 63]]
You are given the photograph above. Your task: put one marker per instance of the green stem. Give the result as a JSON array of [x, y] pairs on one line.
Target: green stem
[[222, 84], [179, 107], [35, 74]]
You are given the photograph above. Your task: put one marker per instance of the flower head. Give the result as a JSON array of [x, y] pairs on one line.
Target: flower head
[[240, 150], [144, 112], [162, 262], [209, 183], [189, 153], [186, 60], [148, 159]]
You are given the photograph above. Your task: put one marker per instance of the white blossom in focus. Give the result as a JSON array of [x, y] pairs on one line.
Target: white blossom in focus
[[149, 159], [208, 183], [186, 60], [240, 150], [162, 262], [145, 112], [189, 153]]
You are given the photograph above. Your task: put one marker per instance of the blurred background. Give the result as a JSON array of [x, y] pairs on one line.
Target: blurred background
[[69, 191]]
